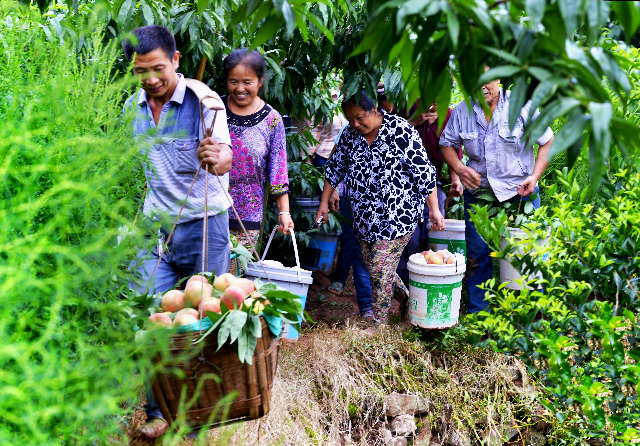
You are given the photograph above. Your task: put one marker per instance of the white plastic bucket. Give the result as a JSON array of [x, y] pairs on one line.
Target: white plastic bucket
[[507, 272], [295, 280], [434, 293], [455, 242]]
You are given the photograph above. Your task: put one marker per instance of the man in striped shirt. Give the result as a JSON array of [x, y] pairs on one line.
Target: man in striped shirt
[[167, 125]]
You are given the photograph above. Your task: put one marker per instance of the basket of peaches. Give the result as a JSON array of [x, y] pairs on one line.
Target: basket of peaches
[[232, 326]]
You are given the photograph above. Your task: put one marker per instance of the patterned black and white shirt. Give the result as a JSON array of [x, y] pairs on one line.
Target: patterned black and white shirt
[[388, 181]]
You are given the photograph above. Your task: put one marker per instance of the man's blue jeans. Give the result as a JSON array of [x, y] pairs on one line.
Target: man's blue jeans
[[184, 258], [477, 249], [184, 255]]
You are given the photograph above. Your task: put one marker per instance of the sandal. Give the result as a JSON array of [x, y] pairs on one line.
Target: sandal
[[154, 427], [335, 288]]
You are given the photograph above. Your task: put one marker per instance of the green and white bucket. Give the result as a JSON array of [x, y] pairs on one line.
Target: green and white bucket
[[434, 293], [508, 274], [455, 242]]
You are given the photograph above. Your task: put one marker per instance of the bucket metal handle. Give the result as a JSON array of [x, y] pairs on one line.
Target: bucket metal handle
[[295, 250]]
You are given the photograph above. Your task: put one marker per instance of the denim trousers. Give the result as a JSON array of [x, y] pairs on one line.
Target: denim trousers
[[182, 258], [350, 256], [477, 249]]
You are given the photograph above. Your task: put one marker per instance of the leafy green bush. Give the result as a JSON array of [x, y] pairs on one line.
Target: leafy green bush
[[69, 180], [575, 322]]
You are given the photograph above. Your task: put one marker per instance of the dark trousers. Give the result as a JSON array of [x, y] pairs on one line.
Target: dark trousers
[[478, 250], [350, 256]]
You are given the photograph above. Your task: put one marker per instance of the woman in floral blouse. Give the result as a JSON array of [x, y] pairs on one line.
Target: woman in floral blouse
[[389, 175], [259, 146]]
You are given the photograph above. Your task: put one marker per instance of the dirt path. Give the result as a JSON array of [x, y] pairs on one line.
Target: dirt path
[[335, 310]]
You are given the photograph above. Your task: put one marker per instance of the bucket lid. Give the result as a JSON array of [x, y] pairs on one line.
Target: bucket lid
[[415, 265], [283, 274]]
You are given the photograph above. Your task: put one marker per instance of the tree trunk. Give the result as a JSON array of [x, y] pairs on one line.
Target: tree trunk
[[201, 67]]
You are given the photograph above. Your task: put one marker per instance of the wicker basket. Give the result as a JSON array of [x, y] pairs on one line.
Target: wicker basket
[[253, 383], [233, 267]]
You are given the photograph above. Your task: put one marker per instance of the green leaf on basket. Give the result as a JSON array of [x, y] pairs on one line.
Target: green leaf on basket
[[271, 311], [243, 262], [213, 327], [266, 287], [286, 318], [236, 322], [254, 326], [295, 325], [281, 294], [215, 317], [223, 333], [246, 347], [287, 306], [306, 317], [242, 347], [241, 251]]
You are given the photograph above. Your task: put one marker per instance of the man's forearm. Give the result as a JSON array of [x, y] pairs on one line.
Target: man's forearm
[[542, 160], [451, 158]]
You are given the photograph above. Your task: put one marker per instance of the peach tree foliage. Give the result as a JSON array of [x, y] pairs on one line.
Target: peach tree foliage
[[552, 52], [576, 328]]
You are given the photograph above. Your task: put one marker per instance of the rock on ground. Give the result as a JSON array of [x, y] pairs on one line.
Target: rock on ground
[[423, 438], [403, 425], [459, 438], [399, 403], [533, 438]]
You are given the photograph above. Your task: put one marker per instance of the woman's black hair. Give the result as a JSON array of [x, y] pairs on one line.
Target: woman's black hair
[[365, 102], [151, 38], [253, 59]]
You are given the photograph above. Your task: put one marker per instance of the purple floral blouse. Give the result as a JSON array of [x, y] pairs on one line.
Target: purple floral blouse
[[259, 150]]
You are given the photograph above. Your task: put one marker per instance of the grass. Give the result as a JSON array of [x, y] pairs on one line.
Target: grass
[[331, 385]]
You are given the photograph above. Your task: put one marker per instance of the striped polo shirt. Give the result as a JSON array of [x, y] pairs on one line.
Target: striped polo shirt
[[172, 161]]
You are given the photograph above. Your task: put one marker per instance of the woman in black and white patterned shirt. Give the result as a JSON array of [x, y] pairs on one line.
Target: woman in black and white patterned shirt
[[389, 176]]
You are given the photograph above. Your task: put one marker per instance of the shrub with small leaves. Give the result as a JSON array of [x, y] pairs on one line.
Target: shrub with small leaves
[[574, 323]]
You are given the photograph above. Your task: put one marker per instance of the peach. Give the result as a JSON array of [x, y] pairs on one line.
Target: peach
[[159, 320], [247, 285], [232, 295], [441, 254], [223, 281], [435, 259], [197, 278], [451, 260], [212, 305], [184, 319], [173, 301], [196, 291], [191, 311]]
